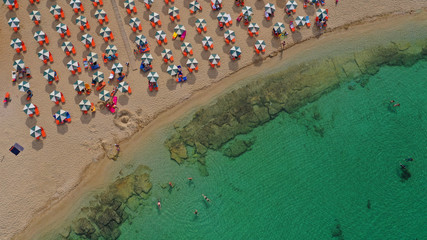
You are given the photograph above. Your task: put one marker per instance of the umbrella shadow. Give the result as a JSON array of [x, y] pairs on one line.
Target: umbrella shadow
[[171, 84], [62, 129], [37, 144], [50, 87], [233, 65], [257, 59], [212, 73], [85, 118], [123, 99], [24, 99], [31, 122], [191, 79]]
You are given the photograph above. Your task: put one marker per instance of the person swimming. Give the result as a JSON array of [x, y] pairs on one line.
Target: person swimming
[[206, 198], [402, 166], [409, 159], [159, 205]]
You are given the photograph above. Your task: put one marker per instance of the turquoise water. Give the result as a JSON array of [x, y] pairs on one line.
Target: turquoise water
[[328, 171]]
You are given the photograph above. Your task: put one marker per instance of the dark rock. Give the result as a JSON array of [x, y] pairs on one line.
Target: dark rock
[[84, 227], [237, 148]]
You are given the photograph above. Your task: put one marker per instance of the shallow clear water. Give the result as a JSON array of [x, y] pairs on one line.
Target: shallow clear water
[[309, 175]]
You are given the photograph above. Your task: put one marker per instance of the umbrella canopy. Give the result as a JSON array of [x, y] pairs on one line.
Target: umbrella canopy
[[24, 86], [84, 105], [229, 35], [111, 49], [253, 27], [214, 58], [300, 21], [260, 45], [104, 95], [105, 32], [207, 41], [98, 76], [173, 11], [279, 27], [186, 47], [117, 68], [141, 40], [43, 54], [179, 29], [72, 65], [147, 58], [195, 6], [200, 23], [123, 87], [172, 70], [235, 51], [216, 1], [55, 9], [86, 39], [81, 20], [35, 16], [291, 5], [55, 96], [153, 76], [129, 4], [92, 57], [75, 3], [154, 17], [160, 35], [247, 11], [149, 1], [322, 14], [19, 64], [16, 43], [49, 74], [61, 28], [134, 22], [40, 36], [166, 53], [9, 2], [36, 131], [67, 46], [270, 8], [100, 14], [222, 17], [29, 109], [61, 115], [13, 22], [79, 85], [192, 63]]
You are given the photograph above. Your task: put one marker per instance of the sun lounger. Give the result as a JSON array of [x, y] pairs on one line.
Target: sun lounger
[[100, 86], [307, 21], [13, 76]]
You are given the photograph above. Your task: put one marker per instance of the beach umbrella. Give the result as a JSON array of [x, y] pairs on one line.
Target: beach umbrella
[[29, 109], [260, 45], [61, 28], [67, 46], [55, 96], [16, 43], [270, 8], [123, 87], [55, 9], [207, 41], [111, 49], [117, 68], [253, 27], [247, 11], [160, 35], [92, 57], [43, 54], [104, 95], [100, 14], [35, 16], [84, 105], [194, 6], [179, 29], [24, 86], [140, 40], [216, 1], [72, 65], [75, 3], [299, 21], [166, 53], [153, 76], [98, 76], [147, 58], [229, 35], [36, 131], [105, 32], [222, 17], [154, 17], [19, 64], [81, 20], [49, 74], [172, 70], [14, 22], [192, 63], [61, 115], [79, 85], [86, 39], [291, 5], [9, 2], [134, 22], [200, 23], [214, 58], [186, 47], [149, 2], [279, 27], [235, 51], [40, 36], [322, 14], [129, 4], [173, 11]]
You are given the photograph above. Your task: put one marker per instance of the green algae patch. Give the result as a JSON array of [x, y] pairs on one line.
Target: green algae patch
[[248, 107]]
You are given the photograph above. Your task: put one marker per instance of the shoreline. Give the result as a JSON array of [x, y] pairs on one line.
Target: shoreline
[[200, 97]]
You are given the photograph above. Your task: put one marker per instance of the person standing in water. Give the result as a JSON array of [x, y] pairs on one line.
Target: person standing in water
[[159, 205]]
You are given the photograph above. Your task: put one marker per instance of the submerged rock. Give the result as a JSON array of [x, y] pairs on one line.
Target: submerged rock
[[238, 147]]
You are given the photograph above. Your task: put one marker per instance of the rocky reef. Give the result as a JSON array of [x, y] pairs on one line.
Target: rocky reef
[[241, 110], [102, 218]]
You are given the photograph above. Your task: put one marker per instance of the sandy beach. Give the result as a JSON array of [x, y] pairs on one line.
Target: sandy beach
[[74, 154]]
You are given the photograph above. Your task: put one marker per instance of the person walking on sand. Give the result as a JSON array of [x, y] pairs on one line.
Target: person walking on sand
[[283, 44]]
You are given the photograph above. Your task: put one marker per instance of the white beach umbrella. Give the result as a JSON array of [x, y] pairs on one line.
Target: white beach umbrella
[[92, 57], [29, 109], [104, 95], [141, 40], [19, 64], [35, 16], [55, 9], [270, 8], [117, 68], [49, 74], [167, 53], [36, 131], [24, 86], [61, 28], [229, 35], [192, 63], [173, 11], [322, 14], [172, 70], [147, 58], [100, 14], [14, 22], [134, 22], [98, 76], [81, 20], [214, 58], [123, 87], [55, 96], [300, 21], [235, 51], [61, 115], [129, 4], [260, 45], [160, 35], [195, 6], [247, 11], [279, 27], [253, 27], [186, 47], [85, 105], [153, 76], [79, 85], [179, 29], [72, 65], [200, 23], [291, 5], [207, 41], [111, 49], [154, 17], [67, 46]]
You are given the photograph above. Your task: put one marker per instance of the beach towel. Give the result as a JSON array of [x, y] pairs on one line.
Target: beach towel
[[16, 149], [112, 106]]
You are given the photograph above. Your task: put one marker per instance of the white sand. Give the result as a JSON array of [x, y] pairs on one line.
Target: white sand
[[48, 169]]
